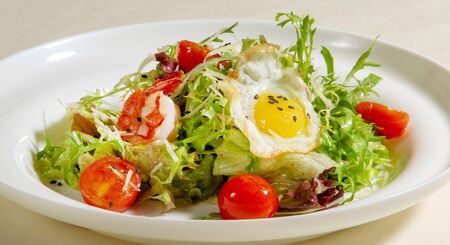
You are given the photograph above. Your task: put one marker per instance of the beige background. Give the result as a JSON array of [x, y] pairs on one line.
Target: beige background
[[423, 26]]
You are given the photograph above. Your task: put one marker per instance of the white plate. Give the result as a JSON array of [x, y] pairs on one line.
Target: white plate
[[34, 80]]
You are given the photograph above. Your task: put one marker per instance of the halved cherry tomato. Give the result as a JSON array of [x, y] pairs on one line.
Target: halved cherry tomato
[[190, 54], [247, 196], [390, 123], [102, 184]]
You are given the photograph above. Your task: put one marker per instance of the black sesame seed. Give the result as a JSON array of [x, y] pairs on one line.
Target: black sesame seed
[[291, 107], [295, 118], [53, 182], [187, 112], [271, 97], [309, 116], [111, 203], [246, 117], [280, 96], [144, 76], [284, 98], [59, 184], [279, 108], [271, 102], [256, 96], [139, 119], [274, 100]]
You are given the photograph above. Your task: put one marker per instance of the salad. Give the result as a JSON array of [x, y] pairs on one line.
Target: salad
[[250, 124]]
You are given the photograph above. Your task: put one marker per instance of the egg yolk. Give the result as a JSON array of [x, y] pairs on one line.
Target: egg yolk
[[279, 114]]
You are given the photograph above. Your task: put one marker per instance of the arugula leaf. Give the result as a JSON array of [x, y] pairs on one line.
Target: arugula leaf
[[365, 87], [215, 37], [362, 62], [302, 50], [329, 61]]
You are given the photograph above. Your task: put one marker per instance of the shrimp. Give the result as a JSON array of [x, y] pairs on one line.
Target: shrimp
[[150, 114]]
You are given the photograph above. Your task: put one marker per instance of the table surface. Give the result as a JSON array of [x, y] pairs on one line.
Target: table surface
[[422, 26]]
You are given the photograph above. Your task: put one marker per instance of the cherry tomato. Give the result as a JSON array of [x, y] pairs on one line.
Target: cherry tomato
[[102, 184], [190, 54], [247, 196], [391, 123]]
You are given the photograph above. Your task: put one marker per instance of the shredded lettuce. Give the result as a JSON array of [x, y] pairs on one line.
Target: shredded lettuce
[[204, 119]]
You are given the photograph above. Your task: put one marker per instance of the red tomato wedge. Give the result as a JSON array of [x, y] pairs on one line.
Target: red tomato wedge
[[110, 183], [390, 123], [190, 54], [247, 196]]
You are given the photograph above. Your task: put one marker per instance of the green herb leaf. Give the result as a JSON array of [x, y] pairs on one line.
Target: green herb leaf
[[214, 37], [302, 50], [362, 62], [329, 61], [211, 216]]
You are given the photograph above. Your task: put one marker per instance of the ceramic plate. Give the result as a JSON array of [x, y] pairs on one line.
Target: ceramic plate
[[34, 80]]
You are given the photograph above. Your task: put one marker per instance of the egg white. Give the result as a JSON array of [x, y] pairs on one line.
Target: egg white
[[259, 71]]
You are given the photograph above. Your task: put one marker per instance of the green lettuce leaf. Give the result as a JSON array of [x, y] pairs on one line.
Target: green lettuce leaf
[[67, 161], [233, 155], [197, 184], [286, 171]]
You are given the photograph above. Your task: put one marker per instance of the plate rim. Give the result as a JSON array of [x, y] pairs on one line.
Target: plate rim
[[248, 20]]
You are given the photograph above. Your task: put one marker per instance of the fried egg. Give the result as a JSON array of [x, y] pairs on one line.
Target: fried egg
[[270, 104]]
